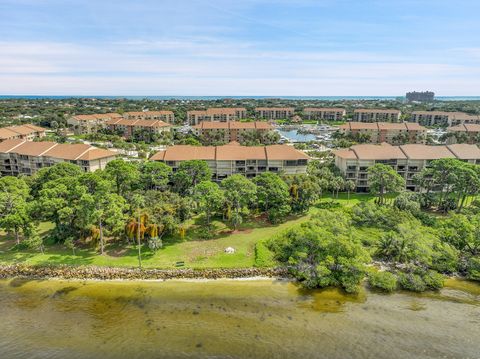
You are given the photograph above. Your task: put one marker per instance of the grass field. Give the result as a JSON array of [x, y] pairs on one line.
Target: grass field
[[193, 252]]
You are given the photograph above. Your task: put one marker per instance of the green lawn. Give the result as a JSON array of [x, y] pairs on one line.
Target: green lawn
[[194, 252]]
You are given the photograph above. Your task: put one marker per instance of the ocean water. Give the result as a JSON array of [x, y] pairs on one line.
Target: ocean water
[[322, 98]]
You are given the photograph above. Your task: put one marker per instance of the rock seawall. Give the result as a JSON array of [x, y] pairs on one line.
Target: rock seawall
[[115, 273]]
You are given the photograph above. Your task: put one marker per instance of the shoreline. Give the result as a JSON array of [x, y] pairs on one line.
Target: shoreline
[[66, 272]]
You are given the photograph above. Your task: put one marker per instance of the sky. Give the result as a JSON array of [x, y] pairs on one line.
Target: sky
[[239, 47]]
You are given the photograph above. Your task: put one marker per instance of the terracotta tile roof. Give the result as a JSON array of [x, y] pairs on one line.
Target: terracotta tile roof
[[243, 125], [232, 151], [186, 152], [382, 126], [213, 125], [67, 151], [387, 126], [8, 145], [78, 151], [413, 126], [466, 127], [115, 121], [220, 111], [150, 123], [197, 112], [137, 123], [324, 109], [465, 152], [22, 130], [345, 153], [425, 152], [228, 153], [28, 148], [6, 133], [362, 126], [274, 109], [53, 149], [96, 116], [383, 151], [148, 113], [435, 113], [376, 110], [260, 125], [95, 154], [284, 152], [13, 131]]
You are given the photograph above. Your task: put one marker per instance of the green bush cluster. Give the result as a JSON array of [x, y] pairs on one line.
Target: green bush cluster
[[385, 281], [419, 282]]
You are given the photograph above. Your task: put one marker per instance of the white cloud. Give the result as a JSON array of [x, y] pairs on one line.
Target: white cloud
[[207, 66]]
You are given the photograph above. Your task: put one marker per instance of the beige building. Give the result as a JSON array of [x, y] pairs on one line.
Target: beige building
[[231, 131], [165, 116], [24, 132], [232, 159], [393, 133], [216, 114], [470, 131], [327, 114], [442, 118], [25, 157], [85, 124], [376, 115], [274, 113], [142, 128], [407, 160]]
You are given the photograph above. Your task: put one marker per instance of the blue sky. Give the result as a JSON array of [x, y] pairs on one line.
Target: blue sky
[[241, 47]]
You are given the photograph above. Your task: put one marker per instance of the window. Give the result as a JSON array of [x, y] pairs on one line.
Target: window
[[290, 163]]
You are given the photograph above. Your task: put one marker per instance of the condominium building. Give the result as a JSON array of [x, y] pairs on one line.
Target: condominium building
[[140, 128], [85, 124], [274, 113], [232, 159], [393, 133], [231, 131], [25, 157], [165, 116], [327, 114], [218, 114], [376, 115], [407, 160], [470, 131], [24, 132], [443, 118], [425, 96]]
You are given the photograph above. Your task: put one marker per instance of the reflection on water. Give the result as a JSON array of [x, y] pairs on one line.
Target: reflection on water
[[295, 136], [233, 319]]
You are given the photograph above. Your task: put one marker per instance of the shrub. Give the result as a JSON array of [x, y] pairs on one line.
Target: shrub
[[444, 258], [433, 280], [407, 201], [322, 253], [473, 268], [412, 282], [263, 256], [385, 281], [370, 215]]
